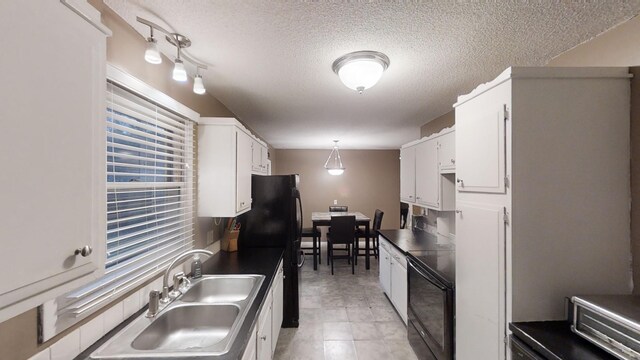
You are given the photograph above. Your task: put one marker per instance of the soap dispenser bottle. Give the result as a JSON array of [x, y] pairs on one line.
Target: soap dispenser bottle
[[196, 267]]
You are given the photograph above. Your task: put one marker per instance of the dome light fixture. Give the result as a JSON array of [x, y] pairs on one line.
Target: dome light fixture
[[361, 70], [334, 162]]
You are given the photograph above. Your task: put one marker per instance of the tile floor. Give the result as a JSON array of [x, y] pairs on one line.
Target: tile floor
[[344, 317]]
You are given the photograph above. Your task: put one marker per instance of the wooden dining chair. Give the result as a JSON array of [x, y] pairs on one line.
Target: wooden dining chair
[[338, 208], [342, 232], [315, 236]]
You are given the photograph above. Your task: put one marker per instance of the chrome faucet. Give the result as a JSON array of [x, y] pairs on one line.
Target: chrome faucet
[[165, 280]]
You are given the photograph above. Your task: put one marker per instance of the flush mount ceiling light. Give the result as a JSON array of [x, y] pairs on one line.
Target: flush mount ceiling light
[[334, 162], [152, 55], [361, 70]]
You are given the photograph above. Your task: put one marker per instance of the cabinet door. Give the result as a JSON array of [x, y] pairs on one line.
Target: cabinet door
[[480, 145], [250, 351], [53, 151], [264, 333], [256, 155], [399, 285], [427, 174], [385, 270], [277, 311], [408, 174], [264, 158], [243, 170], [447, 151], [480, 282]]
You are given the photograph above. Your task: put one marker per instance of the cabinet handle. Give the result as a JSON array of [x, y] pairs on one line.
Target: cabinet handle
[[458, 211], [453, 161], [418, 197], [84, 251], [459, 181], [264, 337]]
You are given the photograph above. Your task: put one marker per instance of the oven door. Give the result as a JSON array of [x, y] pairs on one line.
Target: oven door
[[430, 307]]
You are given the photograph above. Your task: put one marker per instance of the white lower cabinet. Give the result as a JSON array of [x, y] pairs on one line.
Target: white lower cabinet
[[250, 351], [264, 336], [277, 311], [393, 277], [264, 331]]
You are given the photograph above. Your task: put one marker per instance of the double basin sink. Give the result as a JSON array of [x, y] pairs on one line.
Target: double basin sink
[[203, 321]]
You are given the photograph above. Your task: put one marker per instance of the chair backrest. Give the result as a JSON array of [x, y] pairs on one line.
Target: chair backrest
[[343, 229], [377, 219], [338, 208]]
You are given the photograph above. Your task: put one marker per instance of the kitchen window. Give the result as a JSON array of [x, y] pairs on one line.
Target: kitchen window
[[150, 200]]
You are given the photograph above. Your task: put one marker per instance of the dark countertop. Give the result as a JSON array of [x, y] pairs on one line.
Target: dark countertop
[[264, 262], [409, 240], [431, 251], [554, 340]]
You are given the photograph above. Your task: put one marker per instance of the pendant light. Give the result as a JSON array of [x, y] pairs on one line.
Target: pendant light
[[334, 162], [361, 70], [152, 54], [198, 85], [179, 72]]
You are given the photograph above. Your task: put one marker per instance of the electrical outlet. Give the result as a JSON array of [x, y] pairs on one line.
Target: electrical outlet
[[335, 202]]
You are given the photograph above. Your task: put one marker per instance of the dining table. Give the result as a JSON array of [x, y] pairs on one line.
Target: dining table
[[324, 219]]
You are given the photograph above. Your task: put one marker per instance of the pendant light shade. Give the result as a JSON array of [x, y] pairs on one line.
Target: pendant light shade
[[179, 72], [198, 85], [334, 162], [152, 55], [361, 70]]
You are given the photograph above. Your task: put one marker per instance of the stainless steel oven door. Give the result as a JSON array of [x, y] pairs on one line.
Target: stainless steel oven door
[[430, 305]]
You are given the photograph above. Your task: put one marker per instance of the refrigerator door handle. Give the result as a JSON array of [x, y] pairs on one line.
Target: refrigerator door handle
[[303, 258]]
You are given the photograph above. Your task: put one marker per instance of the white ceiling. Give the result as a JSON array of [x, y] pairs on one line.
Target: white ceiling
[[270, 61]]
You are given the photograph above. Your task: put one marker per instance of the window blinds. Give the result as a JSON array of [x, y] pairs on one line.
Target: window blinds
[[150, 198]]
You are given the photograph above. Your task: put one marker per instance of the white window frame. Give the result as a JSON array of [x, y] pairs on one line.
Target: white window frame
[[51, 324]]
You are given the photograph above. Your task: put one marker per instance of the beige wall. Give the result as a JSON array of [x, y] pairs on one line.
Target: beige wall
[[619, 46], [439, 123], [125, 49], [371, 180]]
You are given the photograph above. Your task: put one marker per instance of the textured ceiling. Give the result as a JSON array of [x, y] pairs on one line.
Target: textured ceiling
[[271, 60]]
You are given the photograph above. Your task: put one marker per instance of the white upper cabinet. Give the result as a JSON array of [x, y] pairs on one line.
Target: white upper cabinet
[[447, 153], [427, 174], [53, 150], [423, 179], [224, 167], [259, 157], [408, 174], [480, 143]]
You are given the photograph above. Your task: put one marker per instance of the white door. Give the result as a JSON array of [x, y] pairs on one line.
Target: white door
[[399, 285], [427, 174], [385, 270], [480, 282], [447, 151], [243, 170], [480, 144], [408, 174]]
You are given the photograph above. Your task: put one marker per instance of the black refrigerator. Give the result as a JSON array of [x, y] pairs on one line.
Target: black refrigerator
[[275, 220]]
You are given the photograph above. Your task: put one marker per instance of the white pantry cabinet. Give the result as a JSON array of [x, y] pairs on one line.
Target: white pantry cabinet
[[224, 167], [393, 276], [52, 147], [542, 159]]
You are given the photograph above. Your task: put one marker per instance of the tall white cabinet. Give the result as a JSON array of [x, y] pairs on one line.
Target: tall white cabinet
[[52, 149], [542, 201]]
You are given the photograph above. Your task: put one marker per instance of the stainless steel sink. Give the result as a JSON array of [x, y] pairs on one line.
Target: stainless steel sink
[[216, 289], [188, 327], [204, 321]]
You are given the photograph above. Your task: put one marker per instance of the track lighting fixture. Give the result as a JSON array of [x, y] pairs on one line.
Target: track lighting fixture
[[152, 55]]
